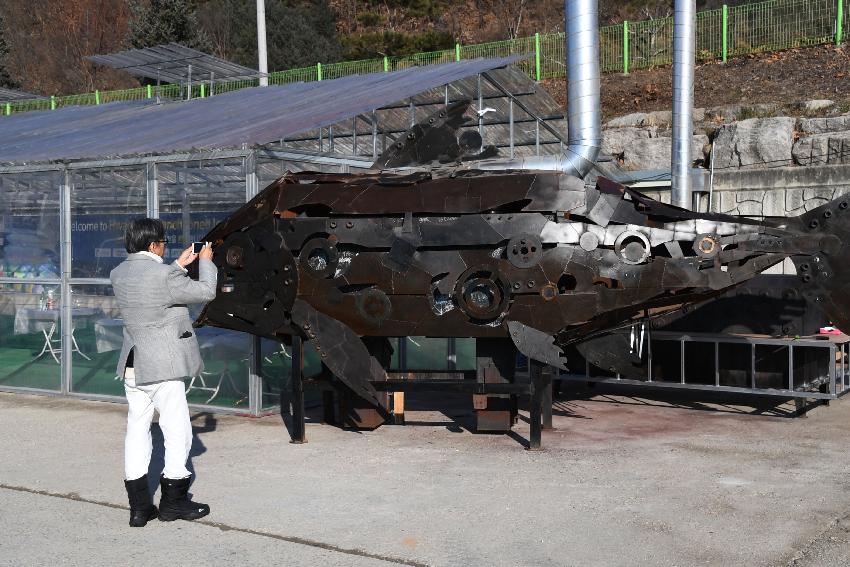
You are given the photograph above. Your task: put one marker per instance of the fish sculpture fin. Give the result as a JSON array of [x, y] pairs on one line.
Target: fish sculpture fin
[[342, 351], [536, 345]]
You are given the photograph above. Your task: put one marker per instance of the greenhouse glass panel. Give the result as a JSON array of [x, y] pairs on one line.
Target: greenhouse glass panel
[[275, 370], [103, 202], [97, 339], [193, 198], [426, 353], [30, 339], [268, 171], [433, 353], [30, 329], [29, 226]]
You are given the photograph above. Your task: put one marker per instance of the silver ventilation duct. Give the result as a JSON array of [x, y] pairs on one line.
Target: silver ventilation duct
[[584, 114], [684, 53]]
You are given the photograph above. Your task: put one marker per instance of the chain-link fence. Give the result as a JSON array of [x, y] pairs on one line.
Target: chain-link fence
[[725, 32]]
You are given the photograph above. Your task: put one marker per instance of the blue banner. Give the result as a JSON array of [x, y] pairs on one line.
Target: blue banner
[[97, 241]]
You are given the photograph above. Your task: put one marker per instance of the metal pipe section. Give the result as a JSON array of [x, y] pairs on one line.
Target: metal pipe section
[[684, 54], [584, 114], [261, 43]]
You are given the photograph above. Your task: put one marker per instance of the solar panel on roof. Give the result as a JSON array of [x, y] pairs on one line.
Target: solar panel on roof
[[173, 63], [251, 117], [8, 95]]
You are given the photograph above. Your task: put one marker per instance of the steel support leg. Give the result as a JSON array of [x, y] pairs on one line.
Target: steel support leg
[[801, 407], [538, 386], [547, 400], [298, 434]]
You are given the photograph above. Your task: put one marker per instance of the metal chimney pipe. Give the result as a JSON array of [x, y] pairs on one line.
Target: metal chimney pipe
[[684, 54], [584, 114]]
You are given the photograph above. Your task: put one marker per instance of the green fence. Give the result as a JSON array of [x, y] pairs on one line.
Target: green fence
[[726, 32]]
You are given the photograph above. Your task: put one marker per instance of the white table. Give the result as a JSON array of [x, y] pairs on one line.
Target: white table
[[224, 344], [31, 320], [108, 334]]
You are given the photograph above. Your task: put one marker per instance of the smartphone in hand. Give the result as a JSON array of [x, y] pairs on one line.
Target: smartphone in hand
[[196, 247]]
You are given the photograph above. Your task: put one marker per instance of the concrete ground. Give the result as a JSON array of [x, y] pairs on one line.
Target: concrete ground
[[623, 481]]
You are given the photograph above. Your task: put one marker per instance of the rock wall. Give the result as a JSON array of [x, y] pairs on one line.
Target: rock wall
[[777, 192], [641, 141], [733, 139], [756, 142]]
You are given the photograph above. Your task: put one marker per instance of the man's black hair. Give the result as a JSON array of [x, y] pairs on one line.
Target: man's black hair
[[141, 233]]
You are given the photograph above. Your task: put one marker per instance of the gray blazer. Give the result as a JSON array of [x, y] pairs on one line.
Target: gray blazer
[[152, 299]]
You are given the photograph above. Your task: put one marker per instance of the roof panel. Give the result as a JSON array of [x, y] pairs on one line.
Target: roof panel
[[170, 63], [395, 119], [8, 95], [254, 116]]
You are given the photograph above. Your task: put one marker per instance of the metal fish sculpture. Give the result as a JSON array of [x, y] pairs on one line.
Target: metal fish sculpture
[[453, 251]]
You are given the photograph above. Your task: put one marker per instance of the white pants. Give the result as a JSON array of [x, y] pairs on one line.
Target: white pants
[[169, 399]]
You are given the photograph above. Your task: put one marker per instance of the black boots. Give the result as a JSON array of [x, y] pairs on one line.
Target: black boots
[[141, 508], [175, 503]]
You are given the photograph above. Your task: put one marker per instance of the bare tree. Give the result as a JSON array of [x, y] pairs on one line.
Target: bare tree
[[48, 42], [653, 37], [217, 20], [550, 16], [509, 14]]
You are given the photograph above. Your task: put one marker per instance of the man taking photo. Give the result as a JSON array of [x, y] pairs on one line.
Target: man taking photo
[[160, 349]]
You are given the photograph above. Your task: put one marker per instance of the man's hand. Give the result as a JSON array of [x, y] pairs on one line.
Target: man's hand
[[186, 257], [206, 251]]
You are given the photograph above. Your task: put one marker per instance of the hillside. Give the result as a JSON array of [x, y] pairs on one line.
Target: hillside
[[477, 21], [781, 78]]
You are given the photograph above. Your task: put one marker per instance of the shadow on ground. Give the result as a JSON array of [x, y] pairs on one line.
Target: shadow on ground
[[202, 423]]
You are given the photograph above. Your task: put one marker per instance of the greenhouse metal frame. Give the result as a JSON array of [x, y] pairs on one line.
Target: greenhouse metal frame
[[143, 186]]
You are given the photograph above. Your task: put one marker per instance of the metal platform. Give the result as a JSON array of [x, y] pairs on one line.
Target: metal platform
[[803, 368], [814, 367]]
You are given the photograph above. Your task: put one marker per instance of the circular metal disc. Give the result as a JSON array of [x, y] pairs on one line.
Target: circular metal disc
[[319, 258], [632, 247], [707, 245], [482, 293], [588, 241], [524, 251], [373, 305]]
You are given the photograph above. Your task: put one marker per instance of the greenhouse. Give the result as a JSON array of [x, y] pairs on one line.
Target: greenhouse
[[71, 179]]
